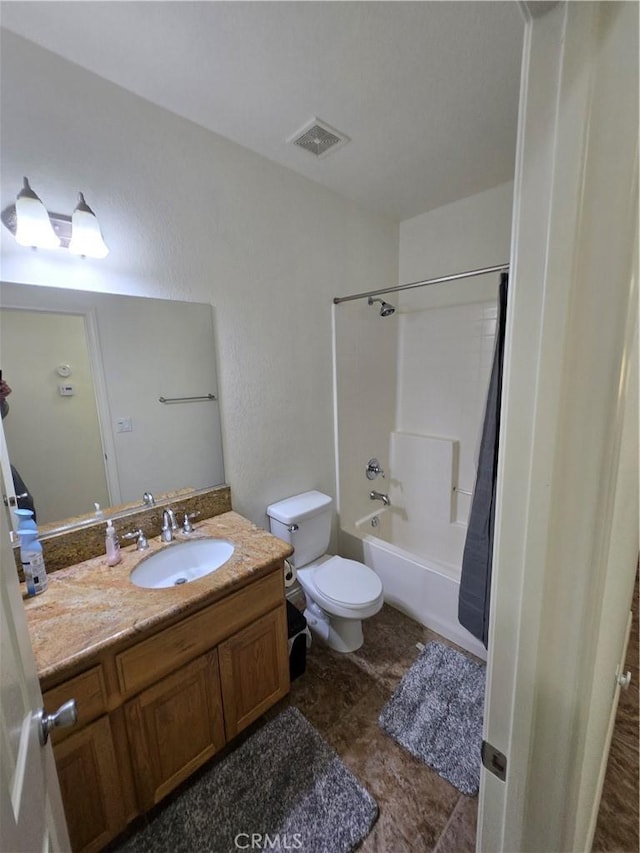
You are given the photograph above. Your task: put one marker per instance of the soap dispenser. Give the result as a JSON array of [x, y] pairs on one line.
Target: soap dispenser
[[112, 546], [25, 519], [35, 574]]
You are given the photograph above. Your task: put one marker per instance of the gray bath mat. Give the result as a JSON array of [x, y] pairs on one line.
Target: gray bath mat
[[284, 788], [436, 713]]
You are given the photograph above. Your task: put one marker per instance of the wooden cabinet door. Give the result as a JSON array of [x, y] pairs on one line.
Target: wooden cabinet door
[[254, 670], [173, 727], [90, 786]]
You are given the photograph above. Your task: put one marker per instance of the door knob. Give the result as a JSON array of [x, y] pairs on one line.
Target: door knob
[[624, 680], [12, 501], [66, 715]]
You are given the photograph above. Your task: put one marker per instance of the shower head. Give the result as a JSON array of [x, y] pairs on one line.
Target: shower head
[[385, 308]]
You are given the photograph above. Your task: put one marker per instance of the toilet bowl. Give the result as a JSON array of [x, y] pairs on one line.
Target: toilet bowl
[[339, 593]]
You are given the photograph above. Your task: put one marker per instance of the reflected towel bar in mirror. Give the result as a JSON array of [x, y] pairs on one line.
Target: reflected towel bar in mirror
[[187, 399]]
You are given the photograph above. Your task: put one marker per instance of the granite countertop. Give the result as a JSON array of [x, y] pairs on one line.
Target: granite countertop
[[91, 606]]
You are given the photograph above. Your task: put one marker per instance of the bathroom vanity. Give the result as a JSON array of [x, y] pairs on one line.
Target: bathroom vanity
[[163, 678]]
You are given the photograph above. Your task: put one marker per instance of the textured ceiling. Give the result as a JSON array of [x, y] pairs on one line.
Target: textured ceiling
[[427, 92]]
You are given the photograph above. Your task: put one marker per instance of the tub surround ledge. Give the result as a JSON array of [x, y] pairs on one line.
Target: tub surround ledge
[[91, 606]]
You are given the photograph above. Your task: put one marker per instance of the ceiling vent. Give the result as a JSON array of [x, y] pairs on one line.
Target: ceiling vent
[[319, 138]]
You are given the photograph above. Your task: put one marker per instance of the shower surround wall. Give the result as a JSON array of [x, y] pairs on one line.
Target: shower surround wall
[[410, 389], [365, 354]]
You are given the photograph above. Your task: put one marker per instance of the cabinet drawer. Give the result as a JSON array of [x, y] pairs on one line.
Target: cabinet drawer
[[167, 650], [89, 691]]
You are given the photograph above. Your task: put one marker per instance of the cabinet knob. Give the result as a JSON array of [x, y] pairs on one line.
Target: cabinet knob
[[66, 715]]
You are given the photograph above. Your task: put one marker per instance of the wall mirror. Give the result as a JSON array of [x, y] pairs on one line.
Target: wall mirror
[[112, 396]]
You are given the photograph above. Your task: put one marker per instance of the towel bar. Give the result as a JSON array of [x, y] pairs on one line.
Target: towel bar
[[187, 399]]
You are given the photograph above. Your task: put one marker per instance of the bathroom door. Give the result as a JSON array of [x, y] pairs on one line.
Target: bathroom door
[[31, 813], [7, 489], [566, 539]]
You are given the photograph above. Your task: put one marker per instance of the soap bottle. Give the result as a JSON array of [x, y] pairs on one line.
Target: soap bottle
[[112, 545], [35, 574], [25, 519]]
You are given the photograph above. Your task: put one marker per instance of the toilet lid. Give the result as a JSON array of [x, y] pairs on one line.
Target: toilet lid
[[347, 582]]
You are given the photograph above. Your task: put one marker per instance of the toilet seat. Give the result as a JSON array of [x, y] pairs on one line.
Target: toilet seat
[[347, 582]]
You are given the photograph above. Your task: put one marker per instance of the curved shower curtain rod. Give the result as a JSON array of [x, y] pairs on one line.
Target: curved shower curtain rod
[[484, 271]]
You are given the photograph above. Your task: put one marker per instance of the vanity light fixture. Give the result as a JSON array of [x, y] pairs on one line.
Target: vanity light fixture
[[86, 236], [32, 225]]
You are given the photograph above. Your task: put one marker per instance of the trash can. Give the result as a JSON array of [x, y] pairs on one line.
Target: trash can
[[298, 633]]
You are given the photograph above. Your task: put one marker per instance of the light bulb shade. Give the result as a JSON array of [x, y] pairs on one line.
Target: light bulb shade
[[33, 226], [86, 237]]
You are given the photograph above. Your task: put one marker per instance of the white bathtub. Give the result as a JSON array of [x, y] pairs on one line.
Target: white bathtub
[[421, 588]]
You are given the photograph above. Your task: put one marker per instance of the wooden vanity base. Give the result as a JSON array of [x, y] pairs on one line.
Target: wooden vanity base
[[154, 710]]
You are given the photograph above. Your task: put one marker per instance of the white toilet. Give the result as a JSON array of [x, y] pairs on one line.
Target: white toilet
[[340, 593]]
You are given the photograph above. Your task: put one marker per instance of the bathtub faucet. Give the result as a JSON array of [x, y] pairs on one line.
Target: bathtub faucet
[[378, 496]]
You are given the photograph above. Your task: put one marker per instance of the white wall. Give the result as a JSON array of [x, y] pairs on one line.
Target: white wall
[[190, 215], [467, 234]]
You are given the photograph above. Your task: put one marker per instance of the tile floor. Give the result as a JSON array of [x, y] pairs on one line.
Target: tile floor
[[419, 811], [342, 696]]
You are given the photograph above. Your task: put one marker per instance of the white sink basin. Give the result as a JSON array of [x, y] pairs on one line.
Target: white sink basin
[[182, 562]]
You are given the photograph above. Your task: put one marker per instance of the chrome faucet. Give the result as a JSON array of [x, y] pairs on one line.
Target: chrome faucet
[[378, 496], [141, 539], [169, 524], [148, 499]]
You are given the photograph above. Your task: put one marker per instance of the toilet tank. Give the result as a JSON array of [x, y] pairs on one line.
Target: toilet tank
[[305, 522]]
